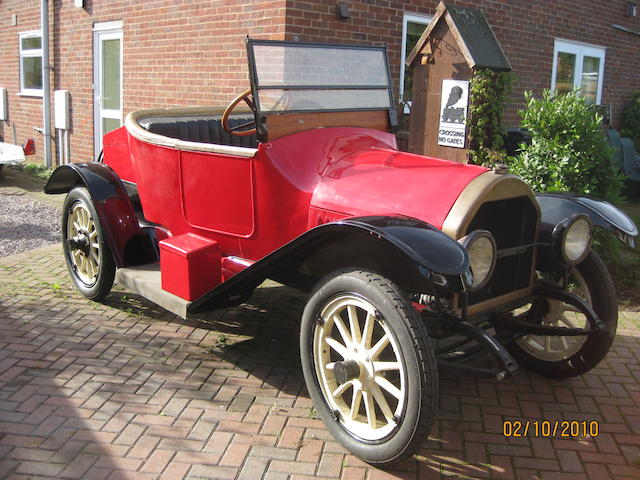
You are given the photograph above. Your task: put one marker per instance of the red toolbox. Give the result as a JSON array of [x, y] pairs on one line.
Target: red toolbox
[[189, 265]]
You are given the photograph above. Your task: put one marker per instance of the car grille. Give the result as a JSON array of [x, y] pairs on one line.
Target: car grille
[[513, 224]]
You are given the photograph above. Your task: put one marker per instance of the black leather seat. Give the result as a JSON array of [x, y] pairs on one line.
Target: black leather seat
[[200, 128]]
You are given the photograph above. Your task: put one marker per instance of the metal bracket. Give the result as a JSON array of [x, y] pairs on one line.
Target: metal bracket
[[555, 293], [508, 365]]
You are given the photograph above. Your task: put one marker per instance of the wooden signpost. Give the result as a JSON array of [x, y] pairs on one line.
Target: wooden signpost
[[456, 42]]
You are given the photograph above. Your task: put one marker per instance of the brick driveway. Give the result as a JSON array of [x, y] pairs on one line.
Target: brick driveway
[[127, 390]]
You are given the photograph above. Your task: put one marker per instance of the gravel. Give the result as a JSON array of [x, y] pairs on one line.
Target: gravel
[[26, 224]]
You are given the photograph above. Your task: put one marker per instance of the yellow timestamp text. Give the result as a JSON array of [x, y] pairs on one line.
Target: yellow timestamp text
[[551, 429]]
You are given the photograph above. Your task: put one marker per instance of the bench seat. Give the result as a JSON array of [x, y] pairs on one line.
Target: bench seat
[[200, 129]]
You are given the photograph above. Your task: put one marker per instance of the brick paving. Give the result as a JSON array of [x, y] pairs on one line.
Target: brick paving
[[126, 390]]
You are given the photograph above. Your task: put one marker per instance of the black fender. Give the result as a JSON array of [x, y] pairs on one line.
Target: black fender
[[556, 207], [128, 243], [417, 256]]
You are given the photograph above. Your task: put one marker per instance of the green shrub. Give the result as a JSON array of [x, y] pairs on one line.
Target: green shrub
[[569, 151], [38, 171], [488, 96], [622, 262], [631, 120]]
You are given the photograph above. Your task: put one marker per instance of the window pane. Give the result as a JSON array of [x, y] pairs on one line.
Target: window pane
[[32, 72], [414, 30], [109, 124], [589, 80], [31, 43], [111, 74], [288, 65], [292, 100], [565, 72]]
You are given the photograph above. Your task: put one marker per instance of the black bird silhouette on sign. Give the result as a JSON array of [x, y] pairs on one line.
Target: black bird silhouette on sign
[[454, 95]]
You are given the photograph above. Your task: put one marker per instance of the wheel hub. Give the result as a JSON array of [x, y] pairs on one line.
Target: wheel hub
[[346, 371], [81, 242]]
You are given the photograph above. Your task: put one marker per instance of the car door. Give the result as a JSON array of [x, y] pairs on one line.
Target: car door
[[217, 192]]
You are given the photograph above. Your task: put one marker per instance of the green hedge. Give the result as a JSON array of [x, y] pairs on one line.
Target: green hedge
[[569, 152]]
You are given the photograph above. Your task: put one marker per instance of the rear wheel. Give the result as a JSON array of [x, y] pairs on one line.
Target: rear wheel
[[560, 356], [369, 367], [86, 251]]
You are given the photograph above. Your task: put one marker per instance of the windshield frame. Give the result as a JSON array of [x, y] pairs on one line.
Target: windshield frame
[[256, 87]]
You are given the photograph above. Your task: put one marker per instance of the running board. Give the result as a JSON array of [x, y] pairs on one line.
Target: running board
[[145, 281]]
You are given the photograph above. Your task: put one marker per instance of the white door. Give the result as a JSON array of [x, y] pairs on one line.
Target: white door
[[107, 80]]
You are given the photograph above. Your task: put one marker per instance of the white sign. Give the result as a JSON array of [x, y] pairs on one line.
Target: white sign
[[453, 113], [11, 153]]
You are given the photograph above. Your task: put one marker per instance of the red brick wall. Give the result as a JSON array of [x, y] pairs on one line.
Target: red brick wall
[[175, 54], [191, 52], [526, 31]]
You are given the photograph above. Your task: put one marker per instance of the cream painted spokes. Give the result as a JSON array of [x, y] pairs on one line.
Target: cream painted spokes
[[84, 245], [557, 348], [359, 367]]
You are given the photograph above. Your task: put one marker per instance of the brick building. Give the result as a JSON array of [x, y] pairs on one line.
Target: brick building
[[121, 55]]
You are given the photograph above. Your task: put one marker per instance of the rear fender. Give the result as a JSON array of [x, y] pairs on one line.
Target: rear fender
[[129, 245], [412, 253], [556, 207]]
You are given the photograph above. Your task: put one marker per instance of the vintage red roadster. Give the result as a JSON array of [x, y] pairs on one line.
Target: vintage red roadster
[[410, 262]]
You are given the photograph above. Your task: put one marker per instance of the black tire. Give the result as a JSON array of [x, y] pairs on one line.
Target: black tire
[[93, 282], [604, 302], [389, 441]]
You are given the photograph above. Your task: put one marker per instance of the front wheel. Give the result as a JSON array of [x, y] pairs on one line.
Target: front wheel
[[369, 367], [568, 356], [86, 251]]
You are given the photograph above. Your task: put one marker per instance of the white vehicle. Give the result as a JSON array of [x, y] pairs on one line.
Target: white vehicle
[[10, 153]]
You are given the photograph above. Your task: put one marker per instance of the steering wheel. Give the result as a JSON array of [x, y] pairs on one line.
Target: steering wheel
[[237, 130]]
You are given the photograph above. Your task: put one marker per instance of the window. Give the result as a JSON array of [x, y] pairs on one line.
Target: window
[[31, 63], [412, 27], [578, 65]]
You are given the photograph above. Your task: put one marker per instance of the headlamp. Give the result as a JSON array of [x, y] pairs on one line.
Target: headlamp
[[572, 238], [481, 247]]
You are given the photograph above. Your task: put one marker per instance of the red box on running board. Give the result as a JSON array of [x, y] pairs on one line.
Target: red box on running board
[[190, 265]]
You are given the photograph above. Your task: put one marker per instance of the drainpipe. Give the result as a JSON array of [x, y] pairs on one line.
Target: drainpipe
[[46, 100]]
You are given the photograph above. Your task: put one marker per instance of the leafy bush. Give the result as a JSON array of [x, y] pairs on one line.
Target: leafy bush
[[631, 120], [623, 263], [489, 93], [568, 151], [38, 171]]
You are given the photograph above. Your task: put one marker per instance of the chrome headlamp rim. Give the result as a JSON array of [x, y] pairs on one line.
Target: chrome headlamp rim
[[467, 241], [562, 230]]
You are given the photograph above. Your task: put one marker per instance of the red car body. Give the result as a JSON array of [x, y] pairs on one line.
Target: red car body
[[253, 205]]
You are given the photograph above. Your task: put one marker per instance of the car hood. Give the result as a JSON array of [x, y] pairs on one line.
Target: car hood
[[382, 181]]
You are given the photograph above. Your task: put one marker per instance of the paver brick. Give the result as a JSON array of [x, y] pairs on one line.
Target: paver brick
[[206, 471], [157, 461]]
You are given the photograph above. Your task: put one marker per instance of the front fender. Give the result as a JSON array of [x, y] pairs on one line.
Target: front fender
[[555, 207], [421, 242], [126, 240], [413, 254]]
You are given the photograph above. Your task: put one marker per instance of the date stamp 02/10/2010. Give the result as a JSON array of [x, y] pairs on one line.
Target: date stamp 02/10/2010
[[550, 429]]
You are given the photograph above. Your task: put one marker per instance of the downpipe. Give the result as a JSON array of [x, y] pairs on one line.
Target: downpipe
[[46, 87]]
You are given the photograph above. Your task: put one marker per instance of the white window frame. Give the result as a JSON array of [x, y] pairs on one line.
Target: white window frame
[[406, 18], [105, 31], [32, 52], [580, 50]]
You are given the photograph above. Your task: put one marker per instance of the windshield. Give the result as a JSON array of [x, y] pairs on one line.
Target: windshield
[[292, 77]]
